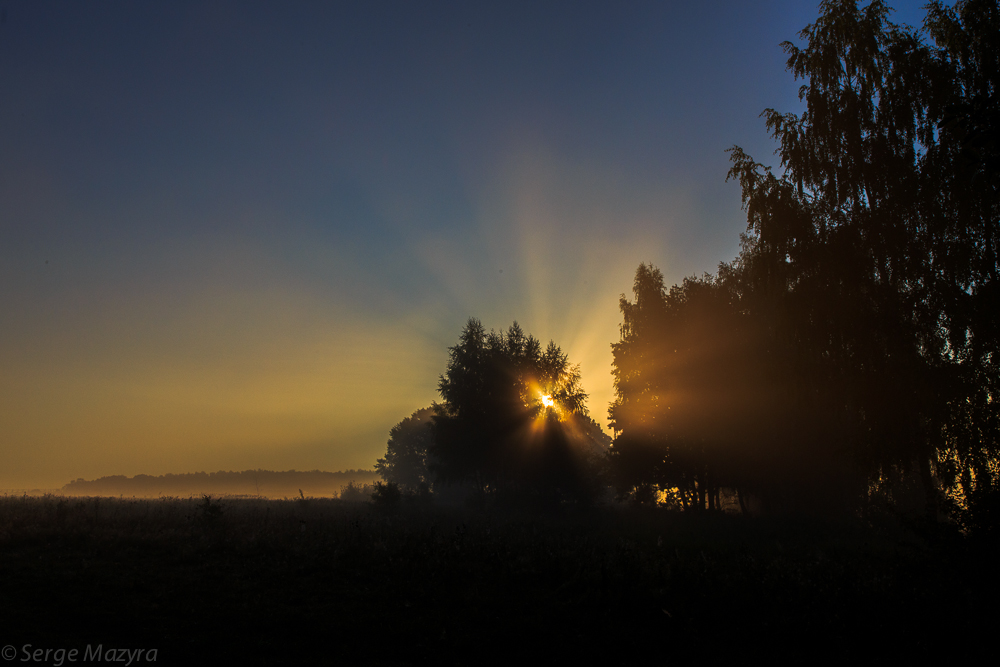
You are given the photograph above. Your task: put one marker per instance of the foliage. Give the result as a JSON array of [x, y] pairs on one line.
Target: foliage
[[405, 461], [387, 496], [357, 493], [647, 368], [700, 401], [492, 428], [858, 326]]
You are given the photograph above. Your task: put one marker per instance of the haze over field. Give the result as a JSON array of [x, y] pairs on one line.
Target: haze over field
[[239, 235]]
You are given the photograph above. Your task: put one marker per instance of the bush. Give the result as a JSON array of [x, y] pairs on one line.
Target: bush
[[386, 496], [357, 493]]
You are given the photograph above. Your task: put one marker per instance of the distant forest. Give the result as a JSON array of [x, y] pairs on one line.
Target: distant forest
[[263, 483]]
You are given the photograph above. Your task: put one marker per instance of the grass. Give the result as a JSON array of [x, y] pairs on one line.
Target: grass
[[267, 582]]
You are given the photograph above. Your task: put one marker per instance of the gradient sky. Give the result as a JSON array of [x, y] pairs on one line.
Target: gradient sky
[[243, 235]]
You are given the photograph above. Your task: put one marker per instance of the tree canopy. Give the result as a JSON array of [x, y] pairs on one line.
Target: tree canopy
[[513, 417], [405, 461], [858, 326]]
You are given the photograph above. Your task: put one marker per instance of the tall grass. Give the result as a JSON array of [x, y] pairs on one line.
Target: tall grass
[[602, 583]]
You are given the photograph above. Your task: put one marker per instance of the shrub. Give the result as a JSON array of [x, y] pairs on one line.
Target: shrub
[[357, 493], [386, 496]]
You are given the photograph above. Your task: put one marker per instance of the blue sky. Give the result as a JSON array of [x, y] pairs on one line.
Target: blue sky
[[238, 235]]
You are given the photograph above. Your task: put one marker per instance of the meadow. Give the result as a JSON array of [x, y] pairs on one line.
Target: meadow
[[256, 581]]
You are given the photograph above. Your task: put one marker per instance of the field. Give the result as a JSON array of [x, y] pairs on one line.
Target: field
[[253, 581]]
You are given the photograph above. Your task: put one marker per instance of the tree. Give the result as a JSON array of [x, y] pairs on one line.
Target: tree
[[512, 417], [700, 401], [964, 218], [855, 337], [405, 461], [875, 249], [641, 447]]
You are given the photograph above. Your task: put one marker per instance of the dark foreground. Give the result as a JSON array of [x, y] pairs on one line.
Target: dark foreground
[[272, 582]]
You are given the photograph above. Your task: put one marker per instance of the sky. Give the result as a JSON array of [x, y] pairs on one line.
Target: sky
[[241, 235]]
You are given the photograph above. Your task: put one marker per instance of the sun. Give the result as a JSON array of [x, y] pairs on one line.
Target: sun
[[547, 401]]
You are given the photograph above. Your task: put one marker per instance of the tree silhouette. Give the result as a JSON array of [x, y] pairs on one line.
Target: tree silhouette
[[494, 428], [405, 461], [858, 326], [877, 245], [700, 400]]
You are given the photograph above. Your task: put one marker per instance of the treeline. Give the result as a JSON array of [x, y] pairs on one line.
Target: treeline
[[849, 356], [263, 483]]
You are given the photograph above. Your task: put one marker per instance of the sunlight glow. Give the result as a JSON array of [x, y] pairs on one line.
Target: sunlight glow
[[547, 401]]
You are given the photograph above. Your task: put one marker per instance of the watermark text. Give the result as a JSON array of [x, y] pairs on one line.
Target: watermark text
[[90, 653]]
